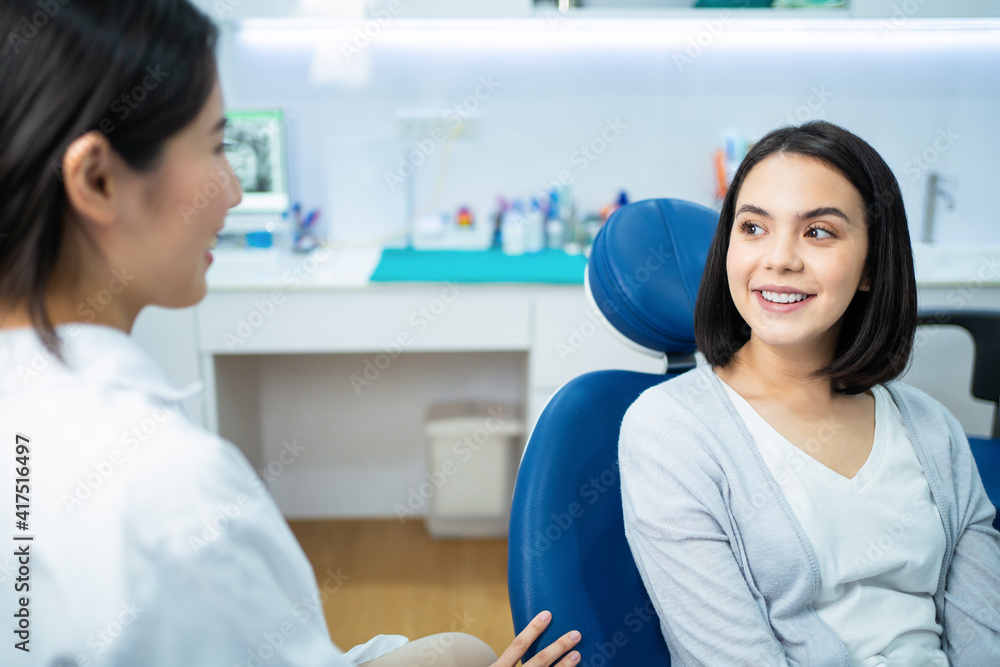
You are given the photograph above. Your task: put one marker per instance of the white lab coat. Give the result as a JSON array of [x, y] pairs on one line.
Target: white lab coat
[[155, 542]]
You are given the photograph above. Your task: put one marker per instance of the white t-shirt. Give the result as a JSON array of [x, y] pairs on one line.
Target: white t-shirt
[[154, 541], [878, 538]]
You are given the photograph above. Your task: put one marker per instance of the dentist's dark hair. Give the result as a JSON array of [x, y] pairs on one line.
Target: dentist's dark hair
[[65, 66], [879, 325]]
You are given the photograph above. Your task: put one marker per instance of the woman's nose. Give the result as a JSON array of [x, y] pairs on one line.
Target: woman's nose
[[783, 253], [235, 190]]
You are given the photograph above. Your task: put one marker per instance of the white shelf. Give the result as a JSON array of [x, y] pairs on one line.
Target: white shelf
[[957, 265], [240, 269], [702, 13]]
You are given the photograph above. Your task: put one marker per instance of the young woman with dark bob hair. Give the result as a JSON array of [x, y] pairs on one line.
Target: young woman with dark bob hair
[[140, 538], [790, 502]]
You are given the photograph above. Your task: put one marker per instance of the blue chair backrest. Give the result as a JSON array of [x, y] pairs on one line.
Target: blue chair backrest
[[984, 326], [567, 550]]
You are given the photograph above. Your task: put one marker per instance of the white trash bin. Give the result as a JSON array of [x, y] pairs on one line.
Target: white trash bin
[[472, 454]]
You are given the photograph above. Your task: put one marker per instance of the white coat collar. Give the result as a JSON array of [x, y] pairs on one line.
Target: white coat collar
[[95, 352]]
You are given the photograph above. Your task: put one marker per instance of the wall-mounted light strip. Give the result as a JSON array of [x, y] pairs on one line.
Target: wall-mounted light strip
[[716, 29]]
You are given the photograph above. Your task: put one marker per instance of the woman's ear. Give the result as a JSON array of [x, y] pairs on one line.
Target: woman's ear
[[88, 177], [864, 285]]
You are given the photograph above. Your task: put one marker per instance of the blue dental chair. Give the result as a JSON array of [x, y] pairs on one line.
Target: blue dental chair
[[985, 329], [566, 544], [567, 550]]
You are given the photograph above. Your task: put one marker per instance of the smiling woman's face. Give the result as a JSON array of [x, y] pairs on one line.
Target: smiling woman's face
[[176, 211], [196, 188], [797, 251]]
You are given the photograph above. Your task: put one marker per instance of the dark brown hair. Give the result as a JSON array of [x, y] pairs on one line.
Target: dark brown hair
[[136, 70], [879, 325]]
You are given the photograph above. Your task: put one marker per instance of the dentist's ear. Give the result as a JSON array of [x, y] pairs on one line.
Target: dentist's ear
[[87, 172]]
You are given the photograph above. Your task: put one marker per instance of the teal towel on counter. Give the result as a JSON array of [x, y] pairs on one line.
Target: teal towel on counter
[[479, 266]]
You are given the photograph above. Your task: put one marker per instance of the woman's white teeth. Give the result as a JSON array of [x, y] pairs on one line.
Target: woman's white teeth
[[782, 297]]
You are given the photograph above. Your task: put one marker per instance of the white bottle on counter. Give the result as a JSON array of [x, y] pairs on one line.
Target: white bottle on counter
[[535, 234], [513, 232]]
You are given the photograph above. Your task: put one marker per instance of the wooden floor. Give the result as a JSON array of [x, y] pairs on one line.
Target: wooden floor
[[389, 577]]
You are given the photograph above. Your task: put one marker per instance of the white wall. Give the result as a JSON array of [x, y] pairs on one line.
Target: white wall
[[556, 86]]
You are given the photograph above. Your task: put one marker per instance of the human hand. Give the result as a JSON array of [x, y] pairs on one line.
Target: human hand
[[545, 657]]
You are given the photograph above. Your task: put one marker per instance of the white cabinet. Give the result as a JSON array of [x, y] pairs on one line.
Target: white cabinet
[[346, 373], [411, 318], [343, 375], [169, 335], [571, 338]]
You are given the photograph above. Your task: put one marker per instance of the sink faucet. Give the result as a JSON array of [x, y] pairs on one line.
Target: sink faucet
[[934, 190]]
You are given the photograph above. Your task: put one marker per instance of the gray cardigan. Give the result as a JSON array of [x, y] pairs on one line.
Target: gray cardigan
[[729, 569]]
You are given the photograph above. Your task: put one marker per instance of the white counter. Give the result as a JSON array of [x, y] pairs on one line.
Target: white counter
[[306, 348]]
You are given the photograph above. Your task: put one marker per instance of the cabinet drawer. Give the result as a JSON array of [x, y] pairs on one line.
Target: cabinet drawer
[[416, 319], [571, 339]]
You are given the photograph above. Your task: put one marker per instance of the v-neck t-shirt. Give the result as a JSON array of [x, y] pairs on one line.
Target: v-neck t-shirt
[[878, 536]]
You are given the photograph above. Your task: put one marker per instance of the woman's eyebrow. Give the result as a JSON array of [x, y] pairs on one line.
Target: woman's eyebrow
[[219, 126], [808, 215], [756, 210], [822, 211]]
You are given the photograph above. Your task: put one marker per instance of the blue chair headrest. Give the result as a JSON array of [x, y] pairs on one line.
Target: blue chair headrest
[[645, 267]]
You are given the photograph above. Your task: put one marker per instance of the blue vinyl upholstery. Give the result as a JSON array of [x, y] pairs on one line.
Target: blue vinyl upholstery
[[566, 547], [567, 550], [986, 452], [984, 327]]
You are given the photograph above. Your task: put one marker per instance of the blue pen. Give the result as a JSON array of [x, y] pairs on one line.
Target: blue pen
[[309, 220]]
